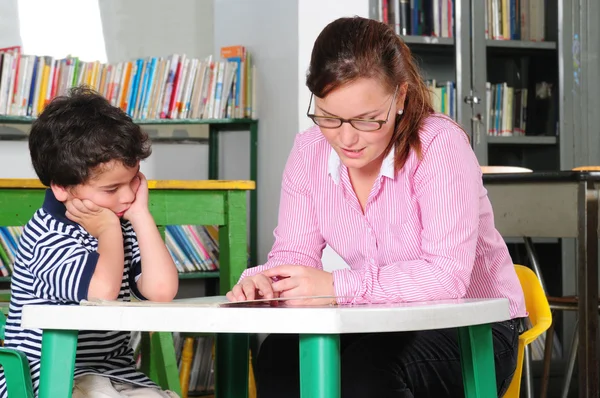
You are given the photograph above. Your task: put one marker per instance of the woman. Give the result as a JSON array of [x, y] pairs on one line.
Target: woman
[[397, 192]]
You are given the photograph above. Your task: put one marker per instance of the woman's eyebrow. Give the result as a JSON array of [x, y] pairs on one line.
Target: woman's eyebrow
[[355, 117]]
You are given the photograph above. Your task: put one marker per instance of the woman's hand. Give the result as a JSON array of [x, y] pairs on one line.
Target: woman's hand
[[252, 287], [302, 281]]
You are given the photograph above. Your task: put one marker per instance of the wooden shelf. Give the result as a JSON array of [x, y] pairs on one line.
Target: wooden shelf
[[522, 44], [7, 119], [23, 136], [523, 140], [428, 40], [194, 121], [199, 275]]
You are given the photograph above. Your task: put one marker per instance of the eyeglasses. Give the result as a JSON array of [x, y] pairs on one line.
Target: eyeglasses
[[328, 122]]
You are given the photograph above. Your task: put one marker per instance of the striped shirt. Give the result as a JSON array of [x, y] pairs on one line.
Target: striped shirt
[[427, 232], [54, 265]]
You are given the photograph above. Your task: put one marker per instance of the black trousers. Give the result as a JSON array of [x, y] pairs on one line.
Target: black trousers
[[388, 365]]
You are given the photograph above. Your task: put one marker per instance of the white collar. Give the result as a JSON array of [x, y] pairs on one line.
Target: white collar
[[334, 162]]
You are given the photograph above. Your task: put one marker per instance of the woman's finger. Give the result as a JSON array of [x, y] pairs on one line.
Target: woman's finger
[[290, 294], [285, 284], [238, 293], [230, 296], [283, 271], [264, 286], [249, 289]]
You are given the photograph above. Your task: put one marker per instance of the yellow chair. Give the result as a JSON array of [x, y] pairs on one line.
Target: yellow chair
[[540, 316]]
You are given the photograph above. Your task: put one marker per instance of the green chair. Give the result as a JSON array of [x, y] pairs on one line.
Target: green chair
[[16, 368]]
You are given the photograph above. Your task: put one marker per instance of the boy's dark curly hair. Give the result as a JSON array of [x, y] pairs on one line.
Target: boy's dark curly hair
[[80, 131]]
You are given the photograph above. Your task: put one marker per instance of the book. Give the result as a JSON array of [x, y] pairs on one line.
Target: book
[[210, 301]]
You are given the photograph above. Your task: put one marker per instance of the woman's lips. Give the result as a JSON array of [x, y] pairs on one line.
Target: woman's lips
[[353, 153]]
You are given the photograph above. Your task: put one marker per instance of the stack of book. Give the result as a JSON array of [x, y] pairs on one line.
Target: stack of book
[[443, 97], [171, 87]]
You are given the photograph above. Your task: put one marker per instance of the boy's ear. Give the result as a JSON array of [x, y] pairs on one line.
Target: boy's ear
[[60, 193]]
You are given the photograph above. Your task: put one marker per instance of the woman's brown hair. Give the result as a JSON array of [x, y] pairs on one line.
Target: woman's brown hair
[[352, 48]]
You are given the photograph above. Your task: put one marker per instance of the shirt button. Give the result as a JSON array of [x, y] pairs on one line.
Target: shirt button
[[372, 261]]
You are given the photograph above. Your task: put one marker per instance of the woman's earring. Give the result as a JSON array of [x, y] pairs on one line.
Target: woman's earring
[[401, 111]]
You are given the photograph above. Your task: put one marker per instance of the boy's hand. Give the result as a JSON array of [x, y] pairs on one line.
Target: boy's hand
[[139, 207], [95, 219]]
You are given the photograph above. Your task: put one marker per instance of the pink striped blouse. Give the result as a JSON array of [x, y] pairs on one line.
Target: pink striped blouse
[[427, 232]]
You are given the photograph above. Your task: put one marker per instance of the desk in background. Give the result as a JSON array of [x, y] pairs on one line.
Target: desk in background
[[560, 204]]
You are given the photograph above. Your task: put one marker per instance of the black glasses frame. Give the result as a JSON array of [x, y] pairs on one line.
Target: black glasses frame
[[314, 117]]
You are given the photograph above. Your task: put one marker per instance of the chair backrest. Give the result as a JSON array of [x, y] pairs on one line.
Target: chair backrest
[[539, 315], [535, 299]]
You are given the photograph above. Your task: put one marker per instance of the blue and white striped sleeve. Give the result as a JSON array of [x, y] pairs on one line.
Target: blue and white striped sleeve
[[62, 268]]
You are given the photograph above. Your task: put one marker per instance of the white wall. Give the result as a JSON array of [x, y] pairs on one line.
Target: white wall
[[14, 158], [269, 29], [9, 24], [313, 16], [176, 162], [142, 28]]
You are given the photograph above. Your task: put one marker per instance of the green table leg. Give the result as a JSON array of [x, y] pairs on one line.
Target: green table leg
[[477, 360], [320, 366], [231, 366], [58, 363]]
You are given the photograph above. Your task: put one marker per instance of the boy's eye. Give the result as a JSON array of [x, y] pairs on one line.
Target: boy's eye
[[111, 190]]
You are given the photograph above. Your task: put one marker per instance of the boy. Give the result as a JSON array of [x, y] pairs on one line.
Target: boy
[[93, 238]]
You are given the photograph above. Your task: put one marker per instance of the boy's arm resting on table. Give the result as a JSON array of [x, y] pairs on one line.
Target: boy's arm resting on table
[[298, 240], [108, 275], [62, 267], [447, 185], [153, 267]]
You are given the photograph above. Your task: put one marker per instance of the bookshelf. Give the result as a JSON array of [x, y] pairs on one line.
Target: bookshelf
[[215, 126], [486, 52]]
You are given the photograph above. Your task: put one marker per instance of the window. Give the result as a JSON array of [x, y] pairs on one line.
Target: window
[[62, 27]]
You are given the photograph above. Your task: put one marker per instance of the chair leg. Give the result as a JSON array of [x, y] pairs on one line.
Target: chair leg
[[535, 264], [527, 374], [547, 360], [570, 365]]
